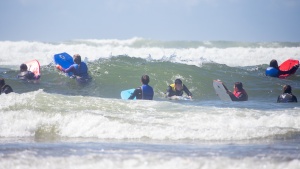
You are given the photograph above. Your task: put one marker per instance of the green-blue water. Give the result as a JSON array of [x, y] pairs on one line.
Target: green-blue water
[[57, 123]]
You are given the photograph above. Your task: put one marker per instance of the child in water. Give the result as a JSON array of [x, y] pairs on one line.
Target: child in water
[[286, 96]]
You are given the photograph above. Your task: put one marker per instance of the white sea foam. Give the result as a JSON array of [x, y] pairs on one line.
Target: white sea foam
[[14, 53], [117, 119], [140, 161]]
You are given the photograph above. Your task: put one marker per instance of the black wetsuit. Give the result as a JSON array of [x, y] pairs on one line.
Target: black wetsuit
[[171, 91], [239, 96], [286, 98], [6, 89], [27, 75]]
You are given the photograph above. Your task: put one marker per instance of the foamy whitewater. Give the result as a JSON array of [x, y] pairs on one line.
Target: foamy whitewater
[[57, 123]]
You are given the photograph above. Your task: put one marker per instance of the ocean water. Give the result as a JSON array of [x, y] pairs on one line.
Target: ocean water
[[57, 123]]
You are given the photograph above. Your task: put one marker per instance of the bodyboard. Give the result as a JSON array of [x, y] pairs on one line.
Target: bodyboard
[[125, 94], [221, 91], [287, 65], [179, 98], [64, 60], [34, 67]]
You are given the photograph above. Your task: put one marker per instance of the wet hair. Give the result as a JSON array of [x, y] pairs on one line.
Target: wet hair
[[77, 58], [239, 85], [178, 81], [2, 82], [145, 79], [287, 89], [274, 63], [23, 67]]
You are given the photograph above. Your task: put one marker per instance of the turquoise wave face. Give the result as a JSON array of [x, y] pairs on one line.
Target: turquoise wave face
[[111, 76]]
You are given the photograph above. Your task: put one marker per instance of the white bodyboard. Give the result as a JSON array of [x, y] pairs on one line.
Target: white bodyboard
[[221, 91], [179, 98]]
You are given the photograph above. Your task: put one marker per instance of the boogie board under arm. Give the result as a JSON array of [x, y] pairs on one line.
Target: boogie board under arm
[[221, 91], [125, 94], [288, 65]]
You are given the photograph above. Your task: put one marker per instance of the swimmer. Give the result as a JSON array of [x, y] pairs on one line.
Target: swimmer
[[238, 94], [79, 69], [4, 88], [144, 92], [177, 89], [25, 74], [286, 96]]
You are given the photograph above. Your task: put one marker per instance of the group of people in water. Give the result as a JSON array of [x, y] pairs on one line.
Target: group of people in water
[[146, 92]]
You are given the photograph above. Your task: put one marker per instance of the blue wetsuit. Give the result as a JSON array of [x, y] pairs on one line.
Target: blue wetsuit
[[79, 71], [145, 92]]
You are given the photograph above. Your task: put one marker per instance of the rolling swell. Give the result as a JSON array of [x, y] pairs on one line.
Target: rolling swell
[[111, 76]]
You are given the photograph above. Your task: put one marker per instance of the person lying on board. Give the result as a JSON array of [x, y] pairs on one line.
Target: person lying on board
[[4, 88], [79, 69], [274, 71], [177, 89], [286, 96], [25, 74], [238, 94], [145, 92]]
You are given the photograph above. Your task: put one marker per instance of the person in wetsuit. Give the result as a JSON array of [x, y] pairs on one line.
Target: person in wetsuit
[[177, 89], [4, 88], [79, 69], [287, 96], [274, 71], [25, 74], [238, 94], [144, 92]]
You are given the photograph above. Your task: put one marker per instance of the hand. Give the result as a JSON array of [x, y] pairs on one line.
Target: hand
[[58, 67]]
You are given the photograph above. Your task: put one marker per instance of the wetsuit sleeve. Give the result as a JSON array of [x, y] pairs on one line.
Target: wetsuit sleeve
[[232, 96], [186, 90], [278, 99], [30, 76], [136, 94], [295, 98], [70, 69], [7, 89], [169, 92]]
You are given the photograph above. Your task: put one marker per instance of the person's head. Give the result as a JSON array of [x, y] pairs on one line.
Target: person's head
[[145, 79], [2, 82], [77, 58], [23, 67], [238, 86], [287, 89], [178, 84], [274, 63]]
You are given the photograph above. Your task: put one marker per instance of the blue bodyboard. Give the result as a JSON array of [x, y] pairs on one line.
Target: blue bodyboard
[[64, 60], [125, 94]]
